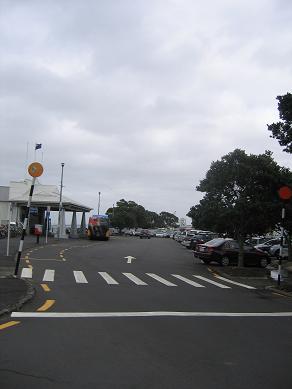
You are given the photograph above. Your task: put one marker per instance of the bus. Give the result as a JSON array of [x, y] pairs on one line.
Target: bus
[[98, 227]]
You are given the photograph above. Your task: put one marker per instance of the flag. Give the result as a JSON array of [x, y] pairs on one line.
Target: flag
[[38, 146]]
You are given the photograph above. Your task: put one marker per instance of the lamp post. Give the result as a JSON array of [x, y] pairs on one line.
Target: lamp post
[[98, 203], [60, 224]]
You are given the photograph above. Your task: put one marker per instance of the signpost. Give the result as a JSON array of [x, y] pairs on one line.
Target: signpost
[[285, 194], [35, 170]]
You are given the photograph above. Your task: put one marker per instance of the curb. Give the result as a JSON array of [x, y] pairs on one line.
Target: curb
[[22, 300]]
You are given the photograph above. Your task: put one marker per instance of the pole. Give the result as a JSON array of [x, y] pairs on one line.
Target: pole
[[281, 246], [60, 201], [8, 232], [47, 222], [24, 226], [98, 203]]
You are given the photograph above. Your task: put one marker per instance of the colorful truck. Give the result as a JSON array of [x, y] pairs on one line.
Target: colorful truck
[[98, 227]]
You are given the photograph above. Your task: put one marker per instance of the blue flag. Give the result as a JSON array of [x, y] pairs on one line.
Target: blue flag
[[38, 146]]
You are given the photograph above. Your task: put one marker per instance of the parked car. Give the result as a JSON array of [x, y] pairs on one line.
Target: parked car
[[201, 238], [186, 241], [225, 252], [265, 246], [179, 237], [275, 251], [256, 240], [145, 234], [160, 234]]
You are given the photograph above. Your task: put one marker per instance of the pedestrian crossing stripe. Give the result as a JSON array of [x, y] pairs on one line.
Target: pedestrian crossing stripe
[[80, 278], [108, 279]]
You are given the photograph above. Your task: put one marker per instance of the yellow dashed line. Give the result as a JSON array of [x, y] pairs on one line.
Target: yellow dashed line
[[45, 287], [278, 294], [8, 324], [47, 305], [27, 261], [30, 266]]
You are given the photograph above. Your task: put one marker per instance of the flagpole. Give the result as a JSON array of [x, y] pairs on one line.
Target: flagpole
[[26, 159]]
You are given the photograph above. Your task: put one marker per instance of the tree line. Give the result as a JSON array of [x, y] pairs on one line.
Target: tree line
[[241, 190], [128, 214]]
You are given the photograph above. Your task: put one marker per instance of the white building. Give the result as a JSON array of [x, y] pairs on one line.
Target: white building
[[17, 193]]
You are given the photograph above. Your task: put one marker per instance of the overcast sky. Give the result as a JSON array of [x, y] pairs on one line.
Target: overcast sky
[[138, 97]]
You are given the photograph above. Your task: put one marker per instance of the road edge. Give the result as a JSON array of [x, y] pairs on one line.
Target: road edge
[[30, 293]]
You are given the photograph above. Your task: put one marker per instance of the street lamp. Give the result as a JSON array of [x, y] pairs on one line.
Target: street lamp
[[60, 202]]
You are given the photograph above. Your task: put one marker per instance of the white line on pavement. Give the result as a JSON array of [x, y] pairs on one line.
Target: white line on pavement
[[193, 283], [110, 280], [213, 282], [233, 282], [148, 314], [135, 279], [80, 277], [49, 275], [160, 279], [26, 272]]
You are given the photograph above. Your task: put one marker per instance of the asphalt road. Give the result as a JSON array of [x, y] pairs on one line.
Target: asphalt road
[[161, 321]]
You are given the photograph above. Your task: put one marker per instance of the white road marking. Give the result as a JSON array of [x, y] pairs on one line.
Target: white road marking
[[213, 282], [148, 314], [80, 277], [129, 258], [26, 273], [49, 275], [235, 283], [160, 279], [193, 283], [135, 279], [110, 280]]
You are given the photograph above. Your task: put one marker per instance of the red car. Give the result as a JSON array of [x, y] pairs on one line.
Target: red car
[[145, 234], [225, 252]]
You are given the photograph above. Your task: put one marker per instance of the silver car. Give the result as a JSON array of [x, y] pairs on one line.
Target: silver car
[[275, 251]]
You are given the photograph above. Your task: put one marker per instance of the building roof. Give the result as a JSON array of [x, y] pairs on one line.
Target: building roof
[[43, 196]]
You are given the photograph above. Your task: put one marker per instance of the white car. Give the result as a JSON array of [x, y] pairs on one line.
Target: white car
[[275, 251], [160, 234], [265, 246]]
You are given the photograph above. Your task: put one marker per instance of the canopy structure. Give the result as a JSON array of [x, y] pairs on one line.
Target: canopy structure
[[44, 197]]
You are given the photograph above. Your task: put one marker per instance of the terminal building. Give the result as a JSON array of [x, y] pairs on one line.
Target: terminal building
[[13, 205]]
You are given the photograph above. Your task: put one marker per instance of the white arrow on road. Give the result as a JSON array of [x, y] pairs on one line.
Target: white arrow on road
[[129, 258]]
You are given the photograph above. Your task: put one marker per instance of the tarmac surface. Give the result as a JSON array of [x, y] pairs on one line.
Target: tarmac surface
[[14, 291]]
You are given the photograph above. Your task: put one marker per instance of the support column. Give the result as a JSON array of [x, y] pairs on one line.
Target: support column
[[73, 232], [63, 234], [83, 226]]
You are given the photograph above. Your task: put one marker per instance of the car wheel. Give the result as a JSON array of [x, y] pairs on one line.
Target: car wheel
[[225, 261], [206, 261], [264, 262]]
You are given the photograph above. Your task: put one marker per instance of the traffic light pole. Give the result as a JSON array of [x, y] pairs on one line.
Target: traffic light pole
[[281, 246]]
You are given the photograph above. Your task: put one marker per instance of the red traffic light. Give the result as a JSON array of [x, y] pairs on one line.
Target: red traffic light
[[285, 193]]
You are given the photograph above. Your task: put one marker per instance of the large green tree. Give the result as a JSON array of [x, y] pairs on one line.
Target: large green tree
[[128, 214], [241, 196], [282, 130], [168, 219]]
